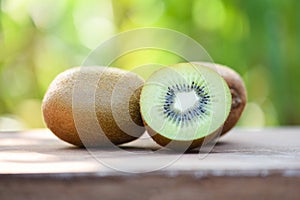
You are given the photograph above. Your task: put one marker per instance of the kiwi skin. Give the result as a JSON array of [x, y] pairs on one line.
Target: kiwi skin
[[180, 146], [237, 90], [58, 111]]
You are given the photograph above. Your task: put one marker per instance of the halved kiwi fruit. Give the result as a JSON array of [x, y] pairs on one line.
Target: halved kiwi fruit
[[184, 103], [237, 90], [80, 96]]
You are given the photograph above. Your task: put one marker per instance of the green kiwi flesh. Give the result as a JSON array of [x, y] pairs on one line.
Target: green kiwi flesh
[[237, 90], [184, 103], [114, 106]]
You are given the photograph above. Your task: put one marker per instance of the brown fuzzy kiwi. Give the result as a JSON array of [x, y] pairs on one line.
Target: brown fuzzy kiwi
[[114, 106], [237, 90]]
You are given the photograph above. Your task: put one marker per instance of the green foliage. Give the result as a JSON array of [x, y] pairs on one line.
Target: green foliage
[[258, 38]]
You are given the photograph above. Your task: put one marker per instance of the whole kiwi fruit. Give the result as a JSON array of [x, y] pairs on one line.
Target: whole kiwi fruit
[[238, 92], [184, 105], [94, 106]]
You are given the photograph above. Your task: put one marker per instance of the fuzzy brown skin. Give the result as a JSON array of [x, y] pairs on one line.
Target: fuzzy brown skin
[[58, 107], [181, 146], [238, 93]]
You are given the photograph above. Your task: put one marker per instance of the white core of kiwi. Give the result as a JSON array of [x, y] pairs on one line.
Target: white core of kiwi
[[185, 101]]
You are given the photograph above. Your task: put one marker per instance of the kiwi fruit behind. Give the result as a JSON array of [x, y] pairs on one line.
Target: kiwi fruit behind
[[94, 106], [237, 90], [183, 104]]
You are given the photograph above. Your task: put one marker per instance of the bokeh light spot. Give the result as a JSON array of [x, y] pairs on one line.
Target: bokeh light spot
[[94, 22], [146, 12], [209, 14], [253, 116]]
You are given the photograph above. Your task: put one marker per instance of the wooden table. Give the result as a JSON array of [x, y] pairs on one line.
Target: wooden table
[[248, 164]]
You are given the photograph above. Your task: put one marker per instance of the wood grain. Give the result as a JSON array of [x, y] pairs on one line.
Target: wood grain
[[244, 163]]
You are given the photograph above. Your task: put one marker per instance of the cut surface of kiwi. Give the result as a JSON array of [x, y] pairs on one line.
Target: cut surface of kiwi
[[184, 103], [237, 89]]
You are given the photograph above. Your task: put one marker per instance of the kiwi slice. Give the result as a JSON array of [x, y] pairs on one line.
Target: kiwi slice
[[237, 90], [184, 103], [114, 106]]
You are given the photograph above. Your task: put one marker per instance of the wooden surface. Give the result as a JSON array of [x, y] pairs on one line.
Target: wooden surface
[[244, 163]]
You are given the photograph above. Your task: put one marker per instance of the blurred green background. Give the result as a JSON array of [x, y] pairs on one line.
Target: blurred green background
[[258, 38]]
